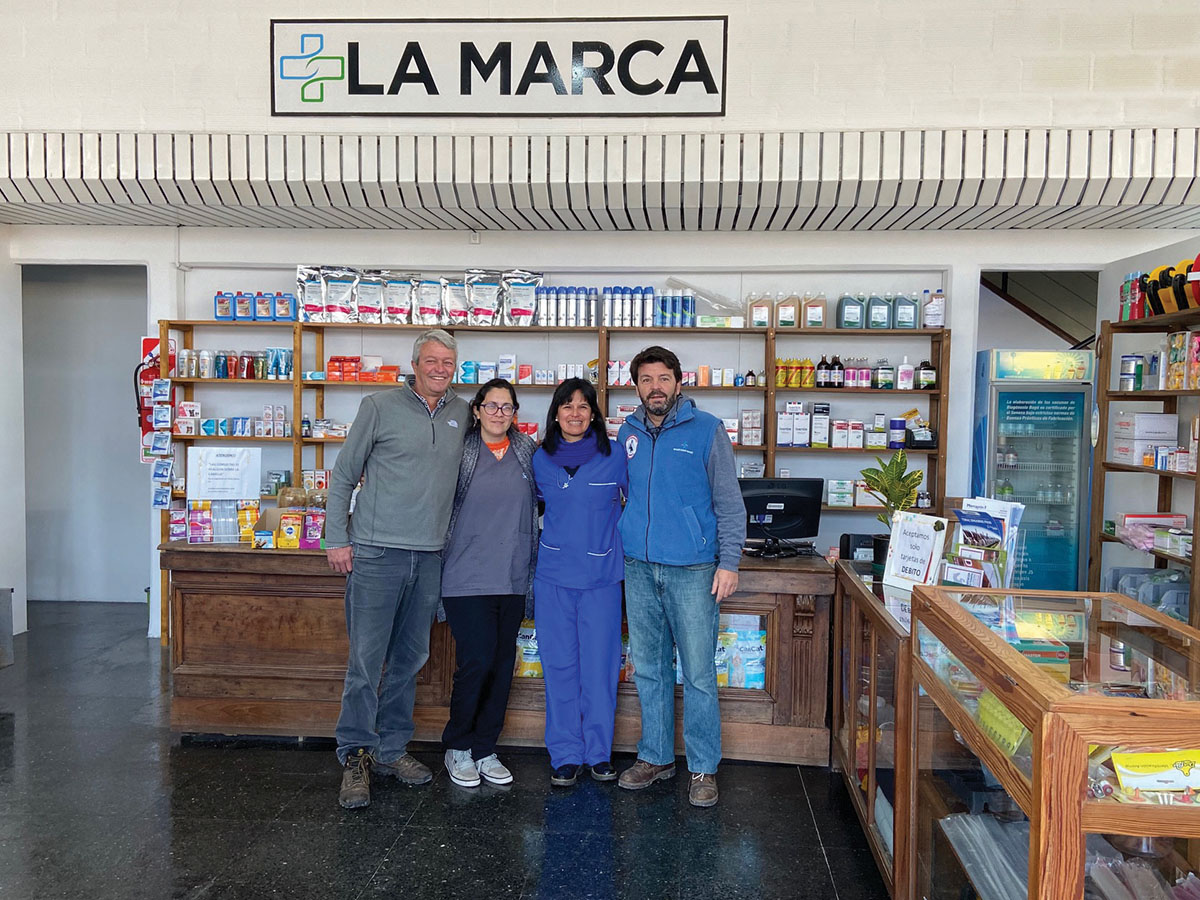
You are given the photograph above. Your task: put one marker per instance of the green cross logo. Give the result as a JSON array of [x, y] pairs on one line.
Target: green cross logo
[[312, 68]]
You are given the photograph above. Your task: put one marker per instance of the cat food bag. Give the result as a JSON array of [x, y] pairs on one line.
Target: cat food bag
[[519, 292], [397, 298], [341, 288], [483, 293], [455, 308], [427, 305], [370, 297], [310, 288]]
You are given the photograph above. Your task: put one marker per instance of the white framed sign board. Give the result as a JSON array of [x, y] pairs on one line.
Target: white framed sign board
[[223, 473], [915, 550]]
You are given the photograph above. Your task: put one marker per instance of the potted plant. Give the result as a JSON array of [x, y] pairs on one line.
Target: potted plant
[[896, 488]]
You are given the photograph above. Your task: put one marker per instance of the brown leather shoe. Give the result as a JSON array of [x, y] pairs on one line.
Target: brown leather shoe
[[356, 781], [703, 790], [642, 774]]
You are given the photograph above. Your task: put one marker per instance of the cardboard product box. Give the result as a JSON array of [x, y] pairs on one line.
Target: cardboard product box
[[731, 429], [626, 373], [801, 429], [784, 429], [1157, 519], [863, 498], [752, 437], [612, 425], [840, 499], [703, 376], [876, 440], [794, 406], [1160, 427], [625, 410], [1133, 452], [718, 377], [820, 430], [728, 376], [506, 367], [524, 374], [856, 441], [840, 435], [186, 426], [278, 430]]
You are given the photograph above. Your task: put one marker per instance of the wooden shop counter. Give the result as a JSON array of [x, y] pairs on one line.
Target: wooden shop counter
[[258, 646]]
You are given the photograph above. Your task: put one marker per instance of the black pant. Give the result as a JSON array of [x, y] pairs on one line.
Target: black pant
[[485, 649]]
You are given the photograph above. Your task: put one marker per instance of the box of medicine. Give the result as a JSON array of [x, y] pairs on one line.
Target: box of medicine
[[784, 429], [855, 441], [794, 406], [820, 430], [506, 367], [801, 429], [1162, 428], [876, 440], [840, 435]]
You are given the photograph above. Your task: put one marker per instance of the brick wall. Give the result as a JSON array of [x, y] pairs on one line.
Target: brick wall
[[793, 64]]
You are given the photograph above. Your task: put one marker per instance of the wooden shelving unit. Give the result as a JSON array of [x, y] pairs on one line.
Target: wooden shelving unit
[[310, 336], [1103, 468]]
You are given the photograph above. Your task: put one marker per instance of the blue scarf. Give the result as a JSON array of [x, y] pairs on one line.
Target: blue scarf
[[576, 453]]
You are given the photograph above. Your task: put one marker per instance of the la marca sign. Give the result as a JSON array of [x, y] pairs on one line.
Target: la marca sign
[[499, 67]]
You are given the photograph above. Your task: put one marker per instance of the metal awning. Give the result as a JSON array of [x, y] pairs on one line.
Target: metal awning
[[976, 179]]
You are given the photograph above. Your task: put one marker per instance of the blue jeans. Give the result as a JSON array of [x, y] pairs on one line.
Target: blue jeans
[[391, 599], [668, 605]]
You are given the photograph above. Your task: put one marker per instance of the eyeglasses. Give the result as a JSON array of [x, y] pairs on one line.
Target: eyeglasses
[[508, 409]]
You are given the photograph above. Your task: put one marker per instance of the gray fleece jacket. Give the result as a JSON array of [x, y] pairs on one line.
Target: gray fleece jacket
[[408, 461]]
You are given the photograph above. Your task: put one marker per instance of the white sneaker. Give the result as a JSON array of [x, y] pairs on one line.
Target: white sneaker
[[493, 770], [461, 768]]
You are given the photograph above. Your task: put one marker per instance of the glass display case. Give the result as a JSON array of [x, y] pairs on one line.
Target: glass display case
[[1061, 750], [872, 713]]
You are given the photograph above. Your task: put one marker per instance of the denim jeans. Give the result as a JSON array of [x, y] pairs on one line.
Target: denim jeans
[[668, 605], [391, 599]]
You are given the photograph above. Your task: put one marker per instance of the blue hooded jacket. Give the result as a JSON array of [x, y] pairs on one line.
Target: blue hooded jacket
[[685, 505]]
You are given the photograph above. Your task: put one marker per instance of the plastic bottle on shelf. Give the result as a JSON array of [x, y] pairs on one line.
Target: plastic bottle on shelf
[[885, 375], [904, 376], [907, 312], [864, 373], [850, 378], [758, 310], [879, 311], [849, 311], [787, 310], [926, 375], [1004, 490], [933, 309], [813, 311], [751, 379]]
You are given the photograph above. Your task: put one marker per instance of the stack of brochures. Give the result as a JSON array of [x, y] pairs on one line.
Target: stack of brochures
[[984, 544]]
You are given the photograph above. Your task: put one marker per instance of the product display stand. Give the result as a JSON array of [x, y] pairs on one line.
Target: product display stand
[[1102, 468]]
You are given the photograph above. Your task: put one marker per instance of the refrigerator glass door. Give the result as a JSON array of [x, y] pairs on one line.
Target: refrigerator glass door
[[1040, 459]]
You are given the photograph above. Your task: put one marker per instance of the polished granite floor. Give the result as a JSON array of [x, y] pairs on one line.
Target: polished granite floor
[[98, 799]]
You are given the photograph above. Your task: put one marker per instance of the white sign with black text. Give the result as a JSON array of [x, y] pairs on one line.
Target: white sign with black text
[[914, 550], [223, 473], [499, 67]]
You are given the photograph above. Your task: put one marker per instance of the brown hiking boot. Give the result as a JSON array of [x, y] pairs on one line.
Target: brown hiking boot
[[407, 768], [703, 790], [642, 774], [356, 781]]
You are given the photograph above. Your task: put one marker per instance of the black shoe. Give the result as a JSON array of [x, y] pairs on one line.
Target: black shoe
[[604, 771], [565, 776]]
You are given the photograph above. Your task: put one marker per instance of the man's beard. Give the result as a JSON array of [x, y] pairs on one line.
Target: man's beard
[[659, 405]]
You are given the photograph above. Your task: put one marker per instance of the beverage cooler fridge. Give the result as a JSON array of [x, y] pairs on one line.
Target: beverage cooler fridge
[[1031, 445]]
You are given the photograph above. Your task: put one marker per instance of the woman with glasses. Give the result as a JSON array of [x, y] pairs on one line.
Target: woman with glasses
[[487, 577], [581, 477]]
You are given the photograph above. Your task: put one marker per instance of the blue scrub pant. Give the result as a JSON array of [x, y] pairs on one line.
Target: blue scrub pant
[[579, 641]]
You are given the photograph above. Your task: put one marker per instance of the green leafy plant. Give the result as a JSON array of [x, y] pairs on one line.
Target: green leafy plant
[[893, 485]]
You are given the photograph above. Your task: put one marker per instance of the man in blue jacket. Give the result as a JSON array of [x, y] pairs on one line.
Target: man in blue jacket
[[683, 528]]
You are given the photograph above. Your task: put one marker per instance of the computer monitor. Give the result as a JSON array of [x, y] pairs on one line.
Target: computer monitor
[[781, 513]]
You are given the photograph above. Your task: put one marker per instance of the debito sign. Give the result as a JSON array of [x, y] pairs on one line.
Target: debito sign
[[499, 67]]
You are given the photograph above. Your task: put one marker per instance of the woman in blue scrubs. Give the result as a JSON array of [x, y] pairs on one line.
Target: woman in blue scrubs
[[581, 477]]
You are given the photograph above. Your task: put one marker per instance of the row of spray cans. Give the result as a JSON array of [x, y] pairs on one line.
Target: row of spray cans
[[615, 307]]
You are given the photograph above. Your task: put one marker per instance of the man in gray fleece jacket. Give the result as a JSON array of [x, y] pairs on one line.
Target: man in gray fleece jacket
[[405, 447]]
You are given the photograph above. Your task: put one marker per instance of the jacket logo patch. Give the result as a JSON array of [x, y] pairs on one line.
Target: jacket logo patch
[[453, 423], [684, 450], [631, 444]]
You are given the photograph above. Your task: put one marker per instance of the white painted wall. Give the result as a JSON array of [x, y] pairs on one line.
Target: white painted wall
[[85, 505], [820, 64], [178, 259], [12, 439], [1001, 325]]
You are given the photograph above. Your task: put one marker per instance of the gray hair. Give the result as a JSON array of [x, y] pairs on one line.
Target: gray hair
[[434, 334]]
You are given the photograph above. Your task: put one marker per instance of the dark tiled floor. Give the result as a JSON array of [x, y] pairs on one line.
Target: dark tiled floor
[[99, 800]]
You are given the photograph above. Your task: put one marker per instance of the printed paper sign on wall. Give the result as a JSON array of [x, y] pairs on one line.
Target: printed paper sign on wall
[[499, 67]]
